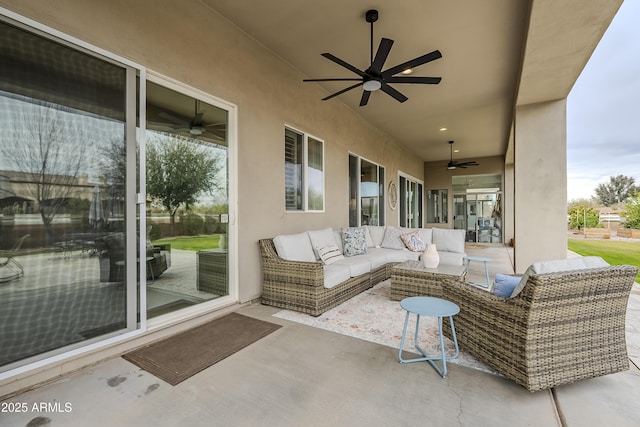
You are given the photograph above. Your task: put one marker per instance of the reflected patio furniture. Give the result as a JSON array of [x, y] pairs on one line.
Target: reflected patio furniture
[[10, 269], [111, 256]]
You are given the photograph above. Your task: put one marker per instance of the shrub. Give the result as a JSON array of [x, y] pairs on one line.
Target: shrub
[[192, 224], [210, 224]]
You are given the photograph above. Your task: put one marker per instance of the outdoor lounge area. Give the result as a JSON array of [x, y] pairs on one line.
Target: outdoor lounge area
[[159, 161], [303, 375]]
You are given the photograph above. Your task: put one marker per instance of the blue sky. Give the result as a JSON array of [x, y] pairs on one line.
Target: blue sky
[[603, 109]]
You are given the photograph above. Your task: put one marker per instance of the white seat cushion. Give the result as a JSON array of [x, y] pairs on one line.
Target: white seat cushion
[[376, 256], [358, 265], [294, 247], [335, 274], [453, 258]]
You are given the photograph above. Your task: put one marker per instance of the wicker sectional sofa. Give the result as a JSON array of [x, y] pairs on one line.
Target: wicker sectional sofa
[[296, 278]]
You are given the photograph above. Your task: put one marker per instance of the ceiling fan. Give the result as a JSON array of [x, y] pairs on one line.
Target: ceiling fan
[[194, 126], [373, 78], [455, 165]]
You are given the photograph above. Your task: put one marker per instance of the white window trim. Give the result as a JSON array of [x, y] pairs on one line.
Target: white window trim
[[409, 177], [305, 173], [382, 208]]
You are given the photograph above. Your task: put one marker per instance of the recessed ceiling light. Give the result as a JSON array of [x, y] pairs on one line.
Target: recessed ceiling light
[[456, 151], [443, 129], [407, 71]]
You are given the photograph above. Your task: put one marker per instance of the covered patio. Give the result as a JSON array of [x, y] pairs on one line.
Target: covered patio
[[507, 68], [302, 375]]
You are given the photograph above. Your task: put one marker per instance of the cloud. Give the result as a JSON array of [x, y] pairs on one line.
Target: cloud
[[603, 109]]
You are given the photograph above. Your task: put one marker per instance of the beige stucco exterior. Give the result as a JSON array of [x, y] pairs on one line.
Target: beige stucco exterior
[[540, 183]]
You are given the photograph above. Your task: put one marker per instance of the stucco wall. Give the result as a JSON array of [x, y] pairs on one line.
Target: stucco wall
[[540, 184], [190, 43]]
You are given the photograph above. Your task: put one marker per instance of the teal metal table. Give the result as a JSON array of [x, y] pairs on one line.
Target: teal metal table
[[468, 260], [434, 307]]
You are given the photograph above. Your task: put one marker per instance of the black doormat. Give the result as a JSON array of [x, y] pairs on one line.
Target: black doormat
[[181, 356]]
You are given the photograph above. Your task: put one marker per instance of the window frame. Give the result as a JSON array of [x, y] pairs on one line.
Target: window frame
[[304, 175], [403, 203], [382, 188]]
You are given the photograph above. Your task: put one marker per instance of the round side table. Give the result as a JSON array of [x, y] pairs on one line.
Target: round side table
[[434, 307]]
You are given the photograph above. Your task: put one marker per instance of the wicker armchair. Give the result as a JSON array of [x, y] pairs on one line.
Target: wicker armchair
[[561, 328]]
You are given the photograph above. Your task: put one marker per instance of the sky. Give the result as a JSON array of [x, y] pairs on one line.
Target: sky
[[603, 109]]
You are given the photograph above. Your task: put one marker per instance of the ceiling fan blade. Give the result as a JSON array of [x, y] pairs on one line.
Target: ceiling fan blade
[[411, 79], [176, 120], [381, 55], [431, 56], [342, 91], [344, 64], [365, 98], [393, 93], [331, 80]]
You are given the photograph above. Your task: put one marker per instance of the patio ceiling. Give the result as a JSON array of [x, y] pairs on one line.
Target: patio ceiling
[[485, 45]]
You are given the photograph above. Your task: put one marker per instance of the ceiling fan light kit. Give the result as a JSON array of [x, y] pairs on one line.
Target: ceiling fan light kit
[[373, 78]]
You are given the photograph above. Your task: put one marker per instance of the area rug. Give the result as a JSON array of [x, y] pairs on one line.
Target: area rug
[[374, 317], [183, 355]]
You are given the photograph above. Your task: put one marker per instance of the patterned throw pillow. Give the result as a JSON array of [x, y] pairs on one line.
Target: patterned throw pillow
[[413, 241], [330, 254], [354, 241]]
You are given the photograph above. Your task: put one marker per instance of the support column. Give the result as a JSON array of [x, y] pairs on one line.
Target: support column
[[540, 183]]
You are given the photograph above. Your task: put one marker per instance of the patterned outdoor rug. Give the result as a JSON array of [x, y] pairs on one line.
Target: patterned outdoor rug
[[181, 356], [374, 317]]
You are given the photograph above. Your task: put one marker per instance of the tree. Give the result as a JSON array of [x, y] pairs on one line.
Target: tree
[[45, 144], [632, 212], [583, 214], [617, 190], [179, 170]]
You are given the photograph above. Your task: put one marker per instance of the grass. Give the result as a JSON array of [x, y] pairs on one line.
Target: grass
[[613, 251], [191, 243]]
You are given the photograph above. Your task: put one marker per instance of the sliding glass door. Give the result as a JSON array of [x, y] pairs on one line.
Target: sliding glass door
[[187, 205], [67, 151]]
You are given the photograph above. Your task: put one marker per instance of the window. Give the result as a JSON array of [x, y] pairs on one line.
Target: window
[[303, 172], [437, 206], [366, 192], [410, 202]]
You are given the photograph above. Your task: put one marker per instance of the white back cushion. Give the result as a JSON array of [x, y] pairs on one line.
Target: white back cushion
[[447, 239], [427, 235], [392, 238], [320, 239], [377, 234], [559, 265], [294, 247], [569, 264]]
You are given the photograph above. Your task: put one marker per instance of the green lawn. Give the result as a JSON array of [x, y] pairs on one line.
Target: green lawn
[[191, 243], [613, 251]]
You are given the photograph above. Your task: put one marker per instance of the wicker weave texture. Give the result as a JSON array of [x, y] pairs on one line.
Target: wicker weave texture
[[299, 286], [562, 327], [407, 283]]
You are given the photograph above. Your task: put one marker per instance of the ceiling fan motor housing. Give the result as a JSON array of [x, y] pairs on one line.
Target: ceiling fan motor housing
[[371, 15]]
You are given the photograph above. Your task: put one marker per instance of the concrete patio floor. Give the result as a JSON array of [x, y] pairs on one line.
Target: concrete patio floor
[[301, 375]]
